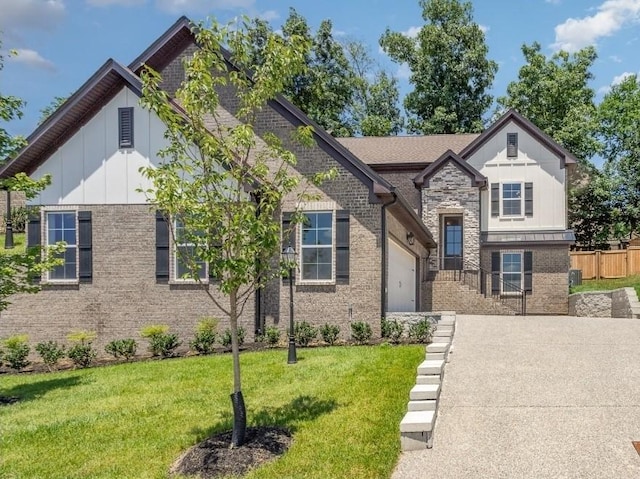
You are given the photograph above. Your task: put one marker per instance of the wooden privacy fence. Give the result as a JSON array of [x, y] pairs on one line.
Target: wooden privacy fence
[[607, 264]]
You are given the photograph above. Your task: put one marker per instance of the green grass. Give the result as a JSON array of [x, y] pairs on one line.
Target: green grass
[[343, 405], [609, 284], [18, 243]]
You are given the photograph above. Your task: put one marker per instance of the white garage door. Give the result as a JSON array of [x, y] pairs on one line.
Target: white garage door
[[401, 285]]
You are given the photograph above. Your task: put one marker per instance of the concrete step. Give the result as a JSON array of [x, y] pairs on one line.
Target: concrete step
[[423, 405], [443, 333], [424, 391], [429, 379], [429, 367], [439, 347], [416, 430]]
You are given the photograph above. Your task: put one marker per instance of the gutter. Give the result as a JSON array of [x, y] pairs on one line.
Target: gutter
[[383, 285]]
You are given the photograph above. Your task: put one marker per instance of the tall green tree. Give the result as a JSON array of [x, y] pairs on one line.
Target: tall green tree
[[10, 109], [619, 120], [220, 186], [48, 110], [374, 109], [450, 72]]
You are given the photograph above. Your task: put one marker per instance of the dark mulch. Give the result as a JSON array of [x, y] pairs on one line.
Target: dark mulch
[[214, 456]]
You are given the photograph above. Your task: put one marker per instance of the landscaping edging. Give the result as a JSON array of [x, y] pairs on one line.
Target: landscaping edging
[[617, 303]]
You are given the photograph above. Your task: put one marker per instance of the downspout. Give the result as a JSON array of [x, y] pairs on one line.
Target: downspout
[[383, 285]]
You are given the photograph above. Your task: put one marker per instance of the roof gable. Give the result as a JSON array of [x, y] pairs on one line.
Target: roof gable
[[422, 180], [566, 157]]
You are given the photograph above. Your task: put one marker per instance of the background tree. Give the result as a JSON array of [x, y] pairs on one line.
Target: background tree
[[48, 110], [10, 109], [374, 107], [220, 186], [450, 72]]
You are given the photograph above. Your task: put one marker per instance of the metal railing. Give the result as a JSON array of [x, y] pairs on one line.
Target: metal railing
[[489, 284]]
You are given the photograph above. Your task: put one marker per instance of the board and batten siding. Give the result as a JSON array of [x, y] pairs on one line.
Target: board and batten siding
[[534, 164], [91, 169]]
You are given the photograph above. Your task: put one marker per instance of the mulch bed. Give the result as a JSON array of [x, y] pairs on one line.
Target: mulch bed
[[214, 457]]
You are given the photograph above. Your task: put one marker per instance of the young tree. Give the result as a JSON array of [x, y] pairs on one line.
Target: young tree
[[220, 185], [10, 109], [450, 72]]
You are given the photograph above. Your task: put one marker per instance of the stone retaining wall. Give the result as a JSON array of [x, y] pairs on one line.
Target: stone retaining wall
[[618, 303]]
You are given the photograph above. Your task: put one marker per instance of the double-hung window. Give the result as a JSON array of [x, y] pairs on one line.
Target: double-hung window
[[512, 199], [317, 246], [186, 261], [511, 272], [61, 226]]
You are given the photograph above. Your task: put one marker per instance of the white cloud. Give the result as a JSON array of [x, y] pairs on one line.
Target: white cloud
[[32, 59], [616, 81], [108, 3], [269, 15], [611, 16], [553, 2], [30, 14], [403, 72], [484, 28], [615, 58], [202, 6], [412, 32]]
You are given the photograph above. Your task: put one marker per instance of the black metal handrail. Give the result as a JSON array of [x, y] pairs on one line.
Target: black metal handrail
[[456, 268]]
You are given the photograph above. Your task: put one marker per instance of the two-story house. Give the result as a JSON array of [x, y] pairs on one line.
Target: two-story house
[[402, 211]]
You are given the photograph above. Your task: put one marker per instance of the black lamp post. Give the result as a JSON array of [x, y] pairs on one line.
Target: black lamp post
[[289, 257], [8, 234]]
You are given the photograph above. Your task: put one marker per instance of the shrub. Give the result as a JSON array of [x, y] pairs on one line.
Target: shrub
[[82, 352], [304, 333], [420, 331], [205, 336], [19, 217], [122, 348], [392, 330], [225, 339], [16, 350], [272, 335], [50, 352], [361, 332], [329, 333], [161, 342]]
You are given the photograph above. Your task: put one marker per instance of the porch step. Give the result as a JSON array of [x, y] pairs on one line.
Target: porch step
[[440, 347], [416, 430], [428, 379], [422, 405], [443, 333], [424, 391], [429, 367]]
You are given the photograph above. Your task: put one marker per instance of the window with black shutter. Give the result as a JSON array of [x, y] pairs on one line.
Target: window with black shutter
[[512, 145], [125, 127], [495, 199], [162, 248], [528, 199], [495, 272], [342, 246], [528, 271], [85, 247], [34, 236]]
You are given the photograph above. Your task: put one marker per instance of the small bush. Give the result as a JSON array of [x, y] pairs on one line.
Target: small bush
[[19, 217], [161, 342], [50, 352], [225, 339], [272, 336], [16, 350], [361, 332], [205, 336], [420, 331], [392, 330], [82, 353], [329, 333], [304, 333], [122, 348]]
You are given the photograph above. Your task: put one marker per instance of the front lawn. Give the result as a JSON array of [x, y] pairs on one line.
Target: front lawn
[[343, 405], [18, 244], [608, 284]]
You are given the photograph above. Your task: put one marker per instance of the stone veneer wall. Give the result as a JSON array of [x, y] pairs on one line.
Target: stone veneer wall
[[450, 191], [618, 303], [123, 296]]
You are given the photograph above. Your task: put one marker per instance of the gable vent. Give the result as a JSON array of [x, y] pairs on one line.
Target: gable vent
[[125, 127], [512, 145]]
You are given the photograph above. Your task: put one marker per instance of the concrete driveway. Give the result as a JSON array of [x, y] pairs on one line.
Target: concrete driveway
[[536, 397]]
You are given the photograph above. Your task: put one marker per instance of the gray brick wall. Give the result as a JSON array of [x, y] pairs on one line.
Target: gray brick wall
[[404, 183]]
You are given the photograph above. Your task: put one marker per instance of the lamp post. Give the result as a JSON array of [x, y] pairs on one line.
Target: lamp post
[[289, 257], [8, 235]]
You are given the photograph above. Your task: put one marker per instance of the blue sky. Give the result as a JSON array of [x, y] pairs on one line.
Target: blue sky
[[60, 43]]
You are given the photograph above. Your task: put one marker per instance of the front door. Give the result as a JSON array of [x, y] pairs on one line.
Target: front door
[[452, 242]]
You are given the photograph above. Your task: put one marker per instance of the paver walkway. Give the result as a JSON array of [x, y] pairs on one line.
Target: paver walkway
[[536, 397]]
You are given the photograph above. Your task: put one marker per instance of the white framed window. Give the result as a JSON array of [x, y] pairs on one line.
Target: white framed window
[[511, 199], [512, 272], [62, 226], [316, 243], [184, 248]]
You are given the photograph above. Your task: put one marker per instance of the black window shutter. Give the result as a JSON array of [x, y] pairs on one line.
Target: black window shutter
[[512, 145], [528, 271], [125, 127], [162, 248], [85, 247], [528, 199], [495, 272], [288, 238], [34, 236], [342, 246], [495, 199]]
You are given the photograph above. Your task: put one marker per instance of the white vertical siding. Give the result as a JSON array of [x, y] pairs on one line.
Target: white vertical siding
[[90, 168], [534, 164]]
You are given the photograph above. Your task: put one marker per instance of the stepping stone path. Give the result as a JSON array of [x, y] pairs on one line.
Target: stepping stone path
[[416, 428]]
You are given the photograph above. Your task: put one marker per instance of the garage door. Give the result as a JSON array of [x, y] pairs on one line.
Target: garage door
[[401, 284]]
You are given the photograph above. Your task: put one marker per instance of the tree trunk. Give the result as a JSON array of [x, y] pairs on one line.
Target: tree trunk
[[237, 400]]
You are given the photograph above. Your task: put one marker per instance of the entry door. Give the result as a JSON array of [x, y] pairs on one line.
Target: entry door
[[401, 284], [452, 242]]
